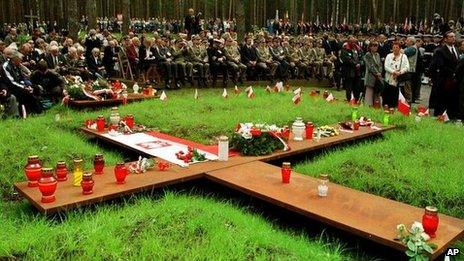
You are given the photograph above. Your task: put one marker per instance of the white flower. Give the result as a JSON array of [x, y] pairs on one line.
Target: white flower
[[259, 126], [273, 127], [246, 134], [417, 227], [401, 227], [425, 237]]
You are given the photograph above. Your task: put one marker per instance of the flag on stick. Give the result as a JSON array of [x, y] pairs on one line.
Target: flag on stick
[[224, 93], [163, 96]]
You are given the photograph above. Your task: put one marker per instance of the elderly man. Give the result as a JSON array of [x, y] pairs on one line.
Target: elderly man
[[8, 103], [19, 85], [55, 60], [91, 42], [233, 60], [199, 59], [51, 82], [95, 64], [12, 37]]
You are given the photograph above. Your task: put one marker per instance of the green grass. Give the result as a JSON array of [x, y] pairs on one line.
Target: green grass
[[419, 164]]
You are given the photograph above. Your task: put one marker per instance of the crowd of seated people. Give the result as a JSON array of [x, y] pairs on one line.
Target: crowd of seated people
[[34, 71]]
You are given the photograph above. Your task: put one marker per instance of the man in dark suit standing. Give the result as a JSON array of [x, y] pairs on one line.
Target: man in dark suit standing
[[192, 23], [110, 57], [444, 95]]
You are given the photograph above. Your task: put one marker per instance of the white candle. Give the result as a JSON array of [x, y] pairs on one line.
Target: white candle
[[223, 148]]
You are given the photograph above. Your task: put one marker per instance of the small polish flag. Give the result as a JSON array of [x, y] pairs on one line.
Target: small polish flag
[[330, 98], [236, 90], [23, 109], [163, 96], [279, 87], [250, 93], [296, 98], [224, 93], [297, 91], [445, 117], [353, 100], [195, 96], [268, 89], [403, 105]]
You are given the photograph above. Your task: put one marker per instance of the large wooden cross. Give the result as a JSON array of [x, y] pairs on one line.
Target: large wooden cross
[[31, 16]]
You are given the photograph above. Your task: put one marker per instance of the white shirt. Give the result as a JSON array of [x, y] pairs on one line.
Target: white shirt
[[453, 51], [401, 64]]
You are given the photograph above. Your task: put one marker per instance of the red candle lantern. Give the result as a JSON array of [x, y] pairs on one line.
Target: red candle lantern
[[47, 185], [430, 221], [286, 133], [61, 171], [130, 121], [309, 130], [286, 171], [255, 132], [87, 183], [100, 123], [377, 104], [120, 173], [356, 125], [98, 164], [33, 170]]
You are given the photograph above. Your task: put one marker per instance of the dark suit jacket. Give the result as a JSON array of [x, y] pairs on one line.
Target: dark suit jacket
[[93, 65], [249, 54], [49, 59], [108, 56]]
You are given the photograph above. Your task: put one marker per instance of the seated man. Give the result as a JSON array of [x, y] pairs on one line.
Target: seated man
[[249, 55], [199, 59], [51, 82], [95, 64], [55, 60], [19, 85], [217, 61], [8, 103], [233, 60], [184, 68], [266, 63], [110, 57], [163, 59]]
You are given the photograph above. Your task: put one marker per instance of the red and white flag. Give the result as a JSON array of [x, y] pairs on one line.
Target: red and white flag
[[296, 98], [353, 100], [445, 116], [23, 109], [236, 90], [163, 96], [403, 105], [330, 97], [195, 96], [279, 87], [250, 93], [268, 89], [224, 93]]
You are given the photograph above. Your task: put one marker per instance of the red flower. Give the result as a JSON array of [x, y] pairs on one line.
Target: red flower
[[255, 132]]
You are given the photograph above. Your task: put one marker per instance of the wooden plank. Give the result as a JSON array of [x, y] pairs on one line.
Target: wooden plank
[[301, 147], [132, 97], [363, 214], [68, 196]]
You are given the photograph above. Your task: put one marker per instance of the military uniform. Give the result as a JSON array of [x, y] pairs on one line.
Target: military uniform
[[183, 68], [233, 62], [265, 59], [199, 59]]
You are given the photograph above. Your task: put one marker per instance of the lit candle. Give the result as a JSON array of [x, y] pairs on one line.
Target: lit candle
[[223, 148], [323, 187]]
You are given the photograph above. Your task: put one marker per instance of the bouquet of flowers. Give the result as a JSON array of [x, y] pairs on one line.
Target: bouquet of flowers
[[98, 90], [415, 240], [259, 139]]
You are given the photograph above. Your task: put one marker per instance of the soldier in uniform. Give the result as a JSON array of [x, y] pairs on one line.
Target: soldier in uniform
[[265, 59], [199, 59], [277, 53], [183, 68], [233, 60], [306, 56], [289, 58]]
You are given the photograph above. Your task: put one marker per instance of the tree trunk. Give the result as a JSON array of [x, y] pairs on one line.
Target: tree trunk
[[394, 10], [374, 11], [73, 19], [240, 16], [125, 16], [347, 11], [91, 7]]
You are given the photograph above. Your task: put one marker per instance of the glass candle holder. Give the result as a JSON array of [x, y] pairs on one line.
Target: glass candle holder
[[286, 172], [98, 164], [33, 170], [47, 185], [100, 123], [114, 116], [120, 173], [309, 130], [323, 185], [77, 172], [386, 120], [430, 221], [87, 183], [223, 148], [61, 171]]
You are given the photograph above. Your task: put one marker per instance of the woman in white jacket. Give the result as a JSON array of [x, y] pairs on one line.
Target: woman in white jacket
[[396, 64]]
